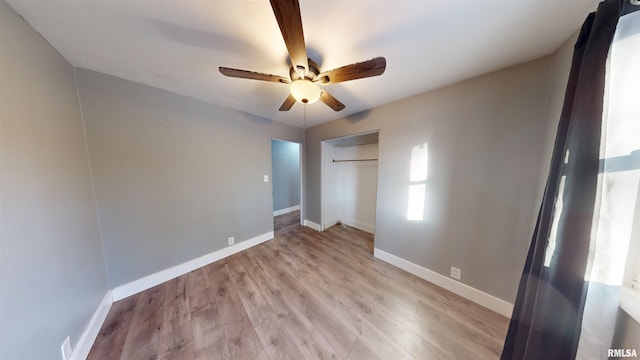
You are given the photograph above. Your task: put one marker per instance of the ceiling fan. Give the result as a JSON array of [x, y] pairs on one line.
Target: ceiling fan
[[305, 76]]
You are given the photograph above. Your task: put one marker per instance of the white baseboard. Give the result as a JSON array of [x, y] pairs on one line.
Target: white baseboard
[[85, 342], [330, 223], [149, 281], [286, 211], [358, 225], [630, 302], [311, 224], [479, 297]]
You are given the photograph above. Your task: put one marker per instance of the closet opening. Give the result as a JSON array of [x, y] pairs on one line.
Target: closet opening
[[350, 181]]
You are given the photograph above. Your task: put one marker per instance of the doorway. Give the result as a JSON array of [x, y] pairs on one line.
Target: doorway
[[286, 184]]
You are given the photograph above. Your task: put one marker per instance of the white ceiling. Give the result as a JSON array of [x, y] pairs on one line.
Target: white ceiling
[[178, 45]]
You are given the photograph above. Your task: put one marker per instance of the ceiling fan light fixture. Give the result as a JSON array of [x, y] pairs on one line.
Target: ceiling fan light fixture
[[305, 91], [304, 74]]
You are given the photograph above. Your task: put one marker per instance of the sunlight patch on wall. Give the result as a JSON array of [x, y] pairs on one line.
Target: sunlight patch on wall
[[419, 163], [415, 208], [417, 178]]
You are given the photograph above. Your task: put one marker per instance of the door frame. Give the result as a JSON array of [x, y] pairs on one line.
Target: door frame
[[300, 171]]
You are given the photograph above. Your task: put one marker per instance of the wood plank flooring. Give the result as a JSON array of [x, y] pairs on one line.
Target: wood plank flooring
[[302, 295]]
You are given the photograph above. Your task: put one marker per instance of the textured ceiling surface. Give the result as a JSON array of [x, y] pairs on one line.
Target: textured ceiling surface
[[177, 45]]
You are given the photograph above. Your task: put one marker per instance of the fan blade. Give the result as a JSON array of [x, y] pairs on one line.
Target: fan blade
[[288, 103], [373, 67], [287, 14], [245, 74], [333, 103]]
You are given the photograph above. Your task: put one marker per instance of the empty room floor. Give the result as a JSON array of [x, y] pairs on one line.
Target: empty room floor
[[302, 295]]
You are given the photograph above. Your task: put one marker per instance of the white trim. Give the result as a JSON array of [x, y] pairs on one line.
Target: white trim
[[286, 210], [330, 223], [358, 225], [83, 347], [630, 302], [149, 281], [311, 224], [479, 297]]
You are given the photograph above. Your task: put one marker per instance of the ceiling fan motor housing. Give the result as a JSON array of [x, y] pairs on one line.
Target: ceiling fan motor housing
[[312, 74]]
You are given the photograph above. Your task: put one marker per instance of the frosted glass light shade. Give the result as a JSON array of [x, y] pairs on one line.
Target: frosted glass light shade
[[305, 91]]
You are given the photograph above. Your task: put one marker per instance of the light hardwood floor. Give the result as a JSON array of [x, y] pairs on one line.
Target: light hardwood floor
[[302, 295]]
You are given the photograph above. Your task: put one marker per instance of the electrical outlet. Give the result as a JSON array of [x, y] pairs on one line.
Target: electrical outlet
[[231, 240], [65, 348], [456, 273], [266, 178]]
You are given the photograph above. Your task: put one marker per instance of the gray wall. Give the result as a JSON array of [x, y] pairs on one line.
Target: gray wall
[[489, 141], [52, 274], [285, 163], [174, 176]]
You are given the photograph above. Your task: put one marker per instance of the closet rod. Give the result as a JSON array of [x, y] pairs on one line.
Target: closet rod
[[334, 160]]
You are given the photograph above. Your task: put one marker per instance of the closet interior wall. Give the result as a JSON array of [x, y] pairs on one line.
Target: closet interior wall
[[351, 173]]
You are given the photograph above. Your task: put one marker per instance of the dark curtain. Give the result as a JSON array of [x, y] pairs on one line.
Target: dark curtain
[[547, 313]]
